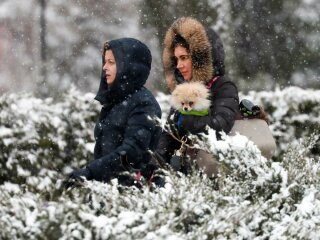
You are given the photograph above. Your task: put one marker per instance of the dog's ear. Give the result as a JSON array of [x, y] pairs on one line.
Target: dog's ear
[[196, 92], [175, 94]]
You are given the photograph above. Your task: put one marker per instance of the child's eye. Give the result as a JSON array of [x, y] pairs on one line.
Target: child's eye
[[190, 103]]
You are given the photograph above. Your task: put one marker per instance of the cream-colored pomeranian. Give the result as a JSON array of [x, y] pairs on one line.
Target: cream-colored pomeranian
[[190, 96]]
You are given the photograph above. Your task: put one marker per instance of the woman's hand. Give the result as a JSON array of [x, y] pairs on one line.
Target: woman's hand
[[194, 124], [77, 177]]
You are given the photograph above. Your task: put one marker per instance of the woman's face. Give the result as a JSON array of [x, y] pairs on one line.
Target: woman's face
[[184, 63], [110, 67]]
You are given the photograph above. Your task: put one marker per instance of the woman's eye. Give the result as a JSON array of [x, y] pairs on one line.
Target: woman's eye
[[109, 61], [185, 57]]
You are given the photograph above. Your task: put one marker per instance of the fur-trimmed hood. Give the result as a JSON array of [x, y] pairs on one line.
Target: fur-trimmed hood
[[205, 48]]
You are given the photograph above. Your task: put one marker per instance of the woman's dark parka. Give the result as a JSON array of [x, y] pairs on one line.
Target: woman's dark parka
[[127, 121], [207, 55]]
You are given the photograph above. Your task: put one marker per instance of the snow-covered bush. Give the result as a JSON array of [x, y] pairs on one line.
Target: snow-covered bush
[[258, 199], [253, 198], [294, 112], [41, 139]]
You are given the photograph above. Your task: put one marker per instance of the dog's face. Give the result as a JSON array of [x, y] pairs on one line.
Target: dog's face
[[187, 105], [185, 100], [190, 96]]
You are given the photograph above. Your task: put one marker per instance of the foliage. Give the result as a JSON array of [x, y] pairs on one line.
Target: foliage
[[253, 198], [265, 41], [275, 41], [294, 114], [42, 138], [161, 14], [75, 33]]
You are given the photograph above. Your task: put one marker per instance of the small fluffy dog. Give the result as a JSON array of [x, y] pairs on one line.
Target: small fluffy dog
[[190, 96]]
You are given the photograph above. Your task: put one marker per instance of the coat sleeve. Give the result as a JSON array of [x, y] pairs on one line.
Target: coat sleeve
[[140, 130], [167, 143], [223, 111], [166, 147]]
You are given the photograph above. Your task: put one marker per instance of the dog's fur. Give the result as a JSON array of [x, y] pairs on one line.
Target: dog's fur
[[190, 96]]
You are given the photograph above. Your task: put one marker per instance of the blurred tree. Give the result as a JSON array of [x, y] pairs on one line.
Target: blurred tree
[[77, 32], [19, 45], [159, 15], [270, 39], [66, 36], [266, 41], [42, 89]]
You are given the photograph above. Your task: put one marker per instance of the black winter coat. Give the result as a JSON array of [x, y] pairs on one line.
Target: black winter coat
[[222, 114], [127, 121], [207, 55]]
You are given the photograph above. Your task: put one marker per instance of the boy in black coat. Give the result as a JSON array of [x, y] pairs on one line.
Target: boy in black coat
[[126, 132]]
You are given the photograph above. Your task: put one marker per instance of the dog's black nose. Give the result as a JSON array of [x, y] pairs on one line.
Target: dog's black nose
[[186, 109]]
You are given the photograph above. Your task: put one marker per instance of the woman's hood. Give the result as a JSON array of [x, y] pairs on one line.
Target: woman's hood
[[133, 61], [205, 48]]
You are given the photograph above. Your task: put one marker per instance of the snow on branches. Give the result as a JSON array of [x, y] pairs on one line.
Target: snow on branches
[[42, 140]]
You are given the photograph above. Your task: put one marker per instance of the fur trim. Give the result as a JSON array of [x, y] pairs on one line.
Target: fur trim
[[200, 49]]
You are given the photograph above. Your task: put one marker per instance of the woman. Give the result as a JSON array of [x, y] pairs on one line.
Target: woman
[[192, 53], [126, 131]]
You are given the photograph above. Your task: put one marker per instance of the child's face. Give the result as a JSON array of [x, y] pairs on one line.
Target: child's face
[[110, 67]]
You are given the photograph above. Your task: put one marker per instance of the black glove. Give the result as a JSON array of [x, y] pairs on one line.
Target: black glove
[[192, 124], [172, 120], [159, 158], [77, 177], [175, 162], [180, 128], [152, 173], [148, 170]]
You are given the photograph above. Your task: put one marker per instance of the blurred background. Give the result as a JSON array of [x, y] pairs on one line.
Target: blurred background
[[48, 45]]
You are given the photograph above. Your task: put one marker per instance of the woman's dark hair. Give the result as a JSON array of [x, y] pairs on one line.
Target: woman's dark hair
[[106, 46], [179, 40]]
